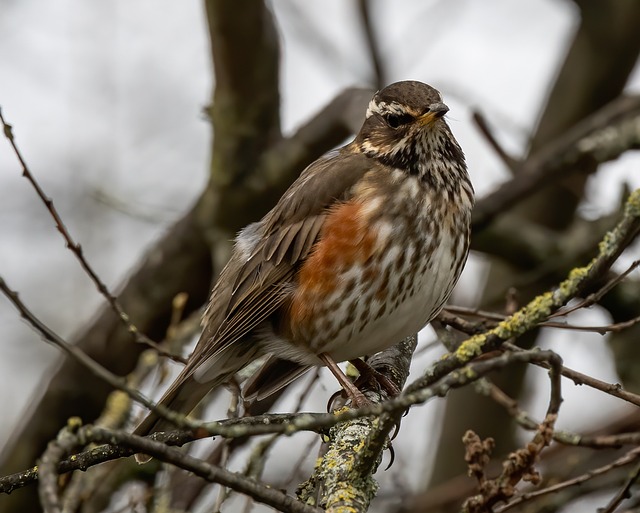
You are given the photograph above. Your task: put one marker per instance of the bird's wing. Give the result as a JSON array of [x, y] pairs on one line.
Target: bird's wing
[[267, 254]]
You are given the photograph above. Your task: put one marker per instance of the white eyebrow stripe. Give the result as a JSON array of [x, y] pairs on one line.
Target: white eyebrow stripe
[[383, 108]]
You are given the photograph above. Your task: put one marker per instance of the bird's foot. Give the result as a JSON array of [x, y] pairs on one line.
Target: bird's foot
[[351, 393], [369, 375]]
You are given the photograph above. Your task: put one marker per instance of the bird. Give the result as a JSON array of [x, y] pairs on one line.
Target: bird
[[361, 251]]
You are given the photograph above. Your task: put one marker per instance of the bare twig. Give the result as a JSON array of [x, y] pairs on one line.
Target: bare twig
[[623, 493], [76, 249], [88, 362], [212, 473], [481, 122], [563, 437], [593, 298], [579, 378], [474, 312], [628, 458], [379, 79], [463, 325], [602, 330]]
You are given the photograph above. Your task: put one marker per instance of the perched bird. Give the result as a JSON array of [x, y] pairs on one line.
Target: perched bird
[[362, 250]]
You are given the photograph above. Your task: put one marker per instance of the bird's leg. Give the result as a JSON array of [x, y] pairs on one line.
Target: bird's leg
[[358, 399], [367, 372]]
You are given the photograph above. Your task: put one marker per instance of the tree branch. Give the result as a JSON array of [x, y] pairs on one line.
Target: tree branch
[[344, 475], [377, 63], [69, 439], [601, 137], [630, 457]]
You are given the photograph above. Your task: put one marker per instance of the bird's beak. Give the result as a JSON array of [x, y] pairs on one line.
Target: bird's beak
[[436, 111]]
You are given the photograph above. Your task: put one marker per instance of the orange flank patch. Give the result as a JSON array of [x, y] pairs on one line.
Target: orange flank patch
[[343, 242]]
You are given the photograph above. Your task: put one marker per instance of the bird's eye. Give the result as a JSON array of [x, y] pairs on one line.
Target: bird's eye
[[395, 120]]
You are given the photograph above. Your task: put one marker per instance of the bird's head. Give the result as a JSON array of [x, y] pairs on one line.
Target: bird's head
[[405, 125]]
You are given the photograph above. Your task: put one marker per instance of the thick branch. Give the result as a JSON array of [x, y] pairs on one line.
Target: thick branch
[[602, 137], [245, 108], [345, 474]]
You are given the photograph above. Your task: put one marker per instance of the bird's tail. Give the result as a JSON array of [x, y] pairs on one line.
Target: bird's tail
[[194, 382], [274, 375], [182, 397]]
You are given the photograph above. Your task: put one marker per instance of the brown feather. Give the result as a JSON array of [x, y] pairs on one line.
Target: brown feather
[[251, 288], [261, 282]]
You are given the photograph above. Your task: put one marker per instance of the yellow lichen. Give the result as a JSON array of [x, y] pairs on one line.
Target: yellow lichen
[[471, 348], [607, 244], [74, 423], [150, 357], [632, 208], [469, 373], [118, 400], [568, 286]]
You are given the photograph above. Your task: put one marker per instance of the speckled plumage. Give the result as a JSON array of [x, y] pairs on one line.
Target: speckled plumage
[[361, 251]]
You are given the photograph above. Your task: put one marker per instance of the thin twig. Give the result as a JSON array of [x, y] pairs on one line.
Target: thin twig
[[88, 362], [463, 325], [602, 330], [623, 493], [563, 437], [630, 457], [481, 122], [613, 389], [212, 473], [593, 298], [474, 312], [77, 250], [372, 42]]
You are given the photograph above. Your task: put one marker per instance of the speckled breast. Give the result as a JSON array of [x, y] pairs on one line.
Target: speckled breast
[[384, 265]]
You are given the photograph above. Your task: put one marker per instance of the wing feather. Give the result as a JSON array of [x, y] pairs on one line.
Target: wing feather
[[260, 274], [273, 245]]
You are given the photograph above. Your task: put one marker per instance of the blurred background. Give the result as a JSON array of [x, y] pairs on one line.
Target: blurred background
[[110, 105]]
